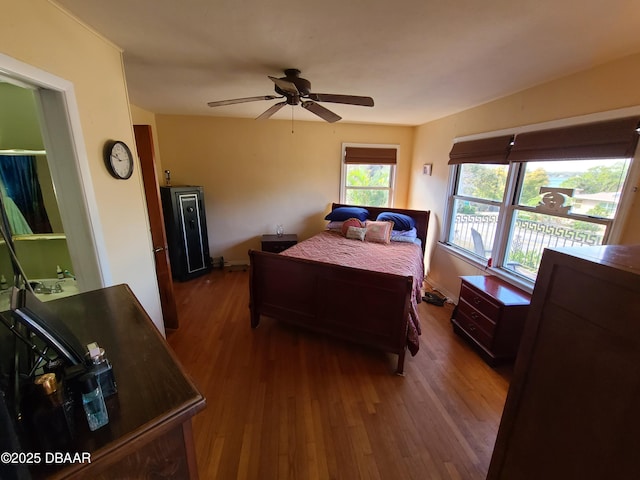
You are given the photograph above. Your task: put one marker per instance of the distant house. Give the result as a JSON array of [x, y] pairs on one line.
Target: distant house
[[585, 202]]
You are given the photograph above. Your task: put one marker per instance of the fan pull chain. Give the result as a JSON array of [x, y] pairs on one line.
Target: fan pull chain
[[292, 119]]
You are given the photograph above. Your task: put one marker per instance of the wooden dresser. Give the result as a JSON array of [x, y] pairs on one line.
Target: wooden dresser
[[149, 432], [572, 407], [491, 315]]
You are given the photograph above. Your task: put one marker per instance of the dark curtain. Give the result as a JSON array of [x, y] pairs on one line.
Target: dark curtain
[[615, 138], [493, 150], [19, 176]]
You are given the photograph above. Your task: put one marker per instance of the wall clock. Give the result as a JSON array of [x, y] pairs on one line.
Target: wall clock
[[118, 159]]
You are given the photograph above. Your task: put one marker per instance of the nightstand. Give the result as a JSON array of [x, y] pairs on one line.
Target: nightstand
[[276, 244], [490, 315]]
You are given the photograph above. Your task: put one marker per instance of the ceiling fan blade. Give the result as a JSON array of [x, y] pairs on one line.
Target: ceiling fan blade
[[285, 85], [348, 99], [322, 112], [271, 110], [241, 100]]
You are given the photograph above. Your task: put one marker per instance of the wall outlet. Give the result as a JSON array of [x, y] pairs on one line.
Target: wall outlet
[[426, 168]]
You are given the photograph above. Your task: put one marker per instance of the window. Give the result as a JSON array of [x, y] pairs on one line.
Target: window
[[477, 207], [368, 175], [511, 198]]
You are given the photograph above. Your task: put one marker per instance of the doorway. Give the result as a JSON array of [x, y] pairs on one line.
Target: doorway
[[28, 195], [59, 123], [144, 143]]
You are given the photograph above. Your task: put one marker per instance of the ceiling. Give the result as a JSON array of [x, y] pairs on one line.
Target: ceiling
[[419, 59]]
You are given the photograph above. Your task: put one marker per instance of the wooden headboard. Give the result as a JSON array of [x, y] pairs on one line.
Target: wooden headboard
[[420, 216]]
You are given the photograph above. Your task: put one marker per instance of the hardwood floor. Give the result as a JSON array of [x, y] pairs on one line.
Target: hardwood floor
[[283, 403]]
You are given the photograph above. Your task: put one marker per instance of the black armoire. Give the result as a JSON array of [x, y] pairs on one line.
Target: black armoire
[[186, 226]]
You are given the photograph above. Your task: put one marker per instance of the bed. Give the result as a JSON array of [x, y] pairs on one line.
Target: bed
[[368, 297]]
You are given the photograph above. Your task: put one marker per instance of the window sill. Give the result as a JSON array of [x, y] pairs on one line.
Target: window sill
[[503, 273]]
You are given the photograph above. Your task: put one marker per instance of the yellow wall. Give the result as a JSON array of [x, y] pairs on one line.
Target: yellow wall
[[42, 35], [609, 87], [257, 174]]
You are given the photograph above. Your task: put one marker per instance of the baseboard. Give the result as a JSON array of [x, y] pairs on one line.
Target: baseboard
[[236, 265], [451, 297]]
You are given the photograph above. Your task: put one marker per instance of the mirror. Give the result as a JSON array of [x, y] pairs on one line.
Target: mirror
[[25, 180], [27, 191]]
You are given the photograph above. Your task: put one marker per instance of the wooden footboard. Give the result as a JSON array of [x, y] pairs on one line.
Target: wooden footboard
[[362, 306]]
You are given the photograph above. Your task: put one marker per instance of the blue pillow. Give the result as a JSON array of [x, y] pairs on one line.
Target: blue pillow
[[340, 214], [400, 220]]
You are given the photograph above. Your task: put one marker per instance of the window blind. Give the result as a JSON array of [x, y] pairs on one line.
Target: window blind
[[486, 150], [608, 139], [370, 155]]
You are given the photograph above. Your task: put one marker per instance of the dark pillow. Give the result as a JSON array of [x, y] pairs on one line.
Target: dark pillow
[[341, 214], [400, 220]]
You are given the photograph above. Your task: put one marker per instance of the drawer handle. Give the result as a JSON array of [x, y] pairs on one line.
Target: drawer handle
[[472, 328], [474, 315], [476, 300]]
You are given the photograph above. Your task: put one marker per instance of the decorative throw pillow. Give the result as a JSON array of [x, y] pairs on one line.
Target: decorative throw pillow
[[352, 222], [379, 232], [341, 214], [356, 233]]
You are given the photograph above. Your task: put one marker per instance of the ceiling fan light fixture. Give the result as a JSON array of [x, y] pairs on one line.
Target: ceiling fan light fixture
[[294, 89]]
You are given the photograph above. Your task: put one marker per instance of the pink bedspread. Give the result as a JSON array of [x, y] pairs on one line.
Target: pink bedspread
[[399, 258]]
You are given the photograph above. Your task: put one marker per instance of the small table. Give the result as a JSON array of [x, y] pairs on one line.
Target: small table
[[276, 244]]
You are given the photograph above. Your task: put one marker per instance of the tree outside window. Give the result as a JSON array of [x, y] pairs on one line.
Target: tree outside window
[[368, 175], [368, 185]]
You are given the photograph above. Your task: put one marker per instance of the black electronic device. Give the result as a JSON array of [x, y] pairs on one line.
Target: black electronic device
[[48, 327]]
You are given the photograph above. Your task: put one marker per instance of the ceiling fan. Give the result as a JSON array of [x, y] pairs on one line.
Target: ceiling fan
[[296, 90]]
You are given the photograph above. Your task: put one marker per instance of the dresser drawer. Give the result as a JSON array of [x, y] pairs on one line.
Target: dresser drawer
[[479, 301], [473, 314], [473, 329]]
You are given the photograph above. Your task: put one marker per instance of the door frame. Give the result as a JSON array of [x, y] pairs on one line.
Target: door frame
[[143, 134], [69, 165]]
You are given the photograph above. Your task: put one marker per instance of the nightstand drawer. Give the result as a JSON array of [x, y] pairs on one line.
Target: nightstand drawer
[[277, 244], [473, 329], [479, 301], [487, 324]]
